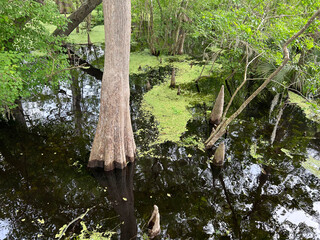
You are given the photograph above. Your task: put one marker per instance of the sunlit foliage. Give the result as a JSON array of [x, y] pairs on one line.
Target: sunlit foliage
[[30, 58]]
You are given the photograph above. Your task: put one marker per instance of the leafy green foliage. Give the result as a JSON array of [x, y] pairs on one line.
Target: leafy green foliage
[[30, 57], [262, 26]]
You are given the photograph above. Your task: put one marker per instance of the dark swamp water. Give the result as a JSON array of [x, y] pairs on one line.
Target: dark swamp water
[[44, 182]]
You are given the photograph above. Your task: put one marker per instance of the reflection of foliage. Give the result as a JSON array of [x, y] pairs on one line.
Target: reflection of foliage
[[312, 165], [309, 107]]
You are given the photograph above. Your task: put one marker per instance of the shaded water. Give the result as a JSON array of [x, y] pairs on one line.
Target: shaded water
[[44, 182]]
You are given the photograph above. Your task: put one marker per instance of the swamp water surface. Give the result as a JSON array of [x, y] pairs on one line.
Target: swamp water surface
[[44, 182]]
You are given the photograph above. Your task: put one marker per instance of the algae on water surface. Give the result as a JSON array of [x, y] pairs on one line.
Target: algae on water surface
[[170, 110]]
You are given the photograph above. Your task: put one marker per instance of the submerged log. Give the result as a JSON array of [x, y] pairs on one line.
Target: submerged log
[[154, 223], [218, 159], [216, 114]]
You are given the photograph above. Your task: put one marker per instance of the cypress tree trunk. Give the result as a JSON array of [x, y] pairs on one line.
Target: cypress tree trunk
[[114, 144]]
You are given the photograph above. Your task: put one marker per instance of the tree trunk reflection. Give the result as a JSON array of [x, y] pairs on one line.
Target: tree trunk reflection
[[119, 186]]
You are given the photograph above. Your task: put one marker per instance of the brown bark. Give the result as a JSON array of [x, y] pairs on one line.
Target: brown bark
[[216, 114], [173, 78], [151, 39], [181, 42], [114, 144], [154, 223], [77, 17]]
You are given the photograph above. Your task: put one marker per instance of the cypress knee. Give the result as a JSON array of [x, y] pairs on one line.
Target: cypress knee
[[216, 114], [154, 223]]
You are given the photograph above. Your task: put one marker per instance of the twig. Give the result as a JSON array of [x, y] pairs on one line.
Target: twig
[[73, 221]]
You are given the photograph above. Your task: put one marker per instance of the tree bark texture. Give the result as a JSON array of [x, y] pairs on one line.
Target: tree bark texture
[[77, 17], [217, 111], [114, 144]]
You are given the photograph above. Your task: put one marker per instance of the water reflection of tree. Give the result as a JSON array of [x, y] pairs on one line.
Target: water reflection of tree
[[119, 185], [76, 102]]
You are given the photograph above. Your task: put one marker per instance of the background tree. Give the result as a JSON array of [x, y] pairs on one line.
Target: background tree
[[114, 144]]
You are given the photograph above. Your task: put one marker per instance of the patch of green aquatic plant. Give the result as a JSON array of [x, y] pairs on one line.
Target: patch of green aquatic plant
[[192, 141], [313, 165], [309, 107], [96, 35], [169, 110], [143, 60], [172, 111]]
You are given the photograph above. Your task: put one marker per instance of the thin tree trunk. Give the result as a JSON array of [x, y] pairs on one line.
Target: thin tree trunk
[[114, 144], [150, 30], [76, 103], [181, 42]]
